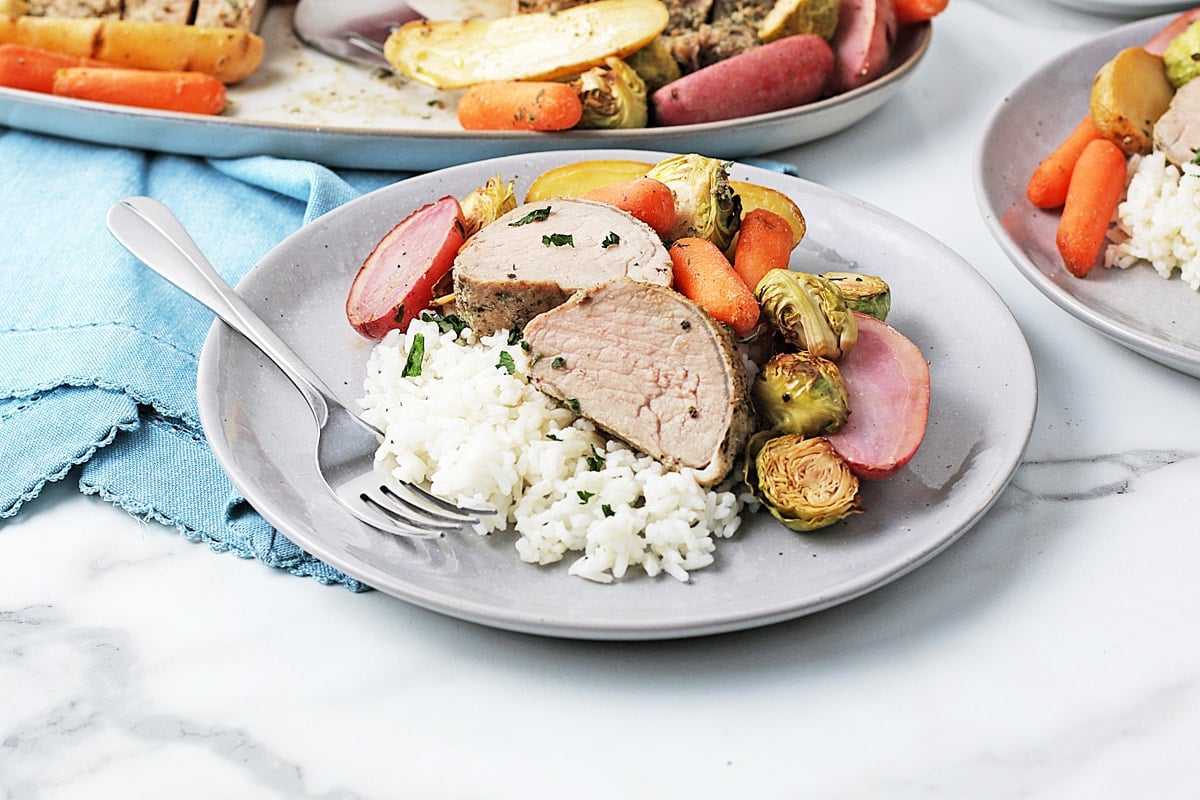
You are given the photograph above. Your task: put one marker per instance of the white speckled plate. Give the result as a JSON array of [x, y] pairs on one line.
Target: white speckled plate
[[303, 104], [980, 420], [1152, 316], [1126, 8]]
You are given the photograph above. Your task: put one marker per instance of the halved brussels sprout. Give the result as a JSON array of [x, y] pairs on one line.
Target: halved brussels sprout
[[706, 204], [1181, 58], [802, 481], [482, 206], [655, 64], [801, 393], [613, 96], [809, 311], [866, 294]]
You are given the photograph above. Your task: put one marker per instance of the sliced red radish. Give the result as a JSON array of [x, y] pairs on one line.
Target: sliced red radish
[[887, 379], [395, 282]]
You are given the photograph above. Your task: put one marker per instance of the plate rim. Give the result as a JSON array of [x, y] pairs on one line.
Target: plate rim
[[624, 629]]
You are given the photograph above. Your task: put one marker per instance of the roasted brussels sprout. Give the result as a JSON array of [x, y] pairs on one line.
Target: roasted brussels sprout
[[655, 64], [706, 204], [809, 311], [802, 481], [866, 294], [613, 96], [792, 17], [484, 205], [1181, 58], [801, 393]]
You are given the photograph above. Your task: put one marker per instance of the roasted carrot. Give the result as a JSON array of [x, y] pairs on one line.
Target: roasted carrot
[[1096, 188], [194, 92], [649, 200], [520, 106], [703, 274], [1047, 187], [918, 10], [764, 243], [33, 68]]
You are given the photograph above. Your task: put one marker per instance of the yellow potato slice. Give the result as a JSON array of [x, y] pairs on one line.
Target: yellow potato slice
[[537, 46], [228, 54], [572, 180], [1129, 94]]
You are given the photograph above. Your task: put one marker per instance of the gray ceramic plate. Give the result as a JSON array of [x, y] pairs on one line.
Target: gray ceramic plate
[[1125, 8], [302, 104], [980, 420], [1152, 316]]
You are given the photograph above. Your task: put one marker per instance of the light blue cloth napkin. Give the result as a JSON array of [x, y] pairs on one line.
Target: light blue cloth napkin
[[98, 354]]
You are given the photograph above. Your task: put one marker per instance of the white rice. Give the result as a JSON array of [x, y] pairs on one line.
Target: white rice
[[480, 435], [1158, 221]]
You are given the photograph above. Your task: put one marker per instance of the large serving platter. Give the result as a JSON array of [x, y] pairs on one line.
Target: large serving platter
[[980, 420], [1152, 316], [303, 104]]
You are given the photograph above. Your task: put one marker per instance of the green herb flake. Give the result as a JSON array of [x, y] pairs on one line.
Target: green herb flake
[[558, 362], [416, 356], [572, 404], [558, 240], [514, 336], [537, 215], [612, 240], [506, 362], [585, 496], [595, 462], [446, 323], [553, 438], [607, 509]]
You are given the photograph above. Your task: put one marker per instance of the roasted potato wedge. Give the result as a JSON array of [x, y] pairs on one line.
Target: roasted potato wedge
[[1129, 94], [536, 46], [573, 180], [228, 54], [791, 17]]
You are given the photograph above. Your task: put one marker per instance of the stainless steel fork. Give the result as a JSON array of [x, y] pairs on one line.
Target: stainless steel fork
[[345, 443]]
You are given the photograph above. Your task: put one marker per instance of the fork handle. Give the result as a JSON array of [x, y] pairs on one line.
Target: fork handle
[[153, 233]]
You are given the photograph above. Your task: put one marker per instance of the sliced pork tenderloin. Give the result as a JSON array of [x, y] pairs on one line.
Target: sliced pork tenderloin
[[534, 257], [650, 367], [1177, 131]]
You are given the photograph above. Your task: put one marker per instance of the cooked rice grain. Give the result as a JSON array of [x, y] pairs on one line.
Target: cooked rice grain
[[480, 435], [1158, 221]]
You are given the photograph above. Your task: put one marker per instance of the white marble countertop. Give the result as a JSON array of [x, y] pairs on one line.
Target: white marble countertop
[[1049, 653]]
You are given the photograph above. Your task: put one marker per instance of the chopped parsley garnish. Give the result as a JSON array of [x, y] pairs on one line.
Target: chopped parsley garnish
[[612, 240], [558, 362], [416, 355], [595, 461], [558, 240], [537, 215], [572, 404], [506, 362], [446, 323], [607, 509], [514, 336], [585, 496]]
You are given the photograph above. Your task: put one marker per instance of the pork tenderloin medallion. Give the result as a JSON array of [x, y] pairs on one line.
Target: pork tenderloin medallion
[[650, 367], [537, 255]]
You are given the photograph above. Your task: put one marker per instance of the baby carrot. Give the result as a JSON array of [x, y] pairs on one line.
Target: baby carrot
[[1047, 187], [918, 10], [1096, 188], [704, 275], [764, 243], [520, 106], [649, 200], [194, 92], [32, 68]]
